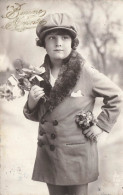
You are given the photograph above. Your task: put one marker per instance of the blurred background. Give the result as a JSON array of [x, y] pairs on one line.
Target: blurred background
[[100, 31]]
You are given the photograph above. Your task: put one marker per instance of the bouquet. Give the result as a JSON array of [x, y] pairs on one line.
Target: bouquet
[[10, 90], [22, 81], [85, 120]]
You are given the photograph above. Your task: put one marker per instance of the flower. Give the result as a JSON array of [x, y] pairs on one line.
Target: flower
[[85, 119], [29, 77], [10, 89], [15, 87]]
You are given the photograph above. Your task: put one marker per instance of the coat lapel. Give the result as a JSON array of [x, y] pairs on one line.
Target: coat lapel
[[67, 78]]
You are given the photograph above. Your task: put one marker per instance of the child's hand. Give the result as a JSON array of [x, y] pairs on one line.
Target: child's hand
[[35, 94], [93, 132]]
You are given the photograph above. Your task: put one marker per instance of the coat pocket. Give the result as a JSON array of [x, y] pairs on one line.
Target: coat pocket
[[75, 149], [72, 144], [76, 161]]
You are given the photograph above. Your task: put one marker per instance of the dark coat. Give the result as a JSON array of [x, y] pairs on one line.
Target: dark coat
[[64, 155]]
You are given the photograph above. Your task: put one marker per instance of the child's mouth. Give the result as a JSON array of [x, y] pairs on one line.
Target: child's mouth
[[58, 50]]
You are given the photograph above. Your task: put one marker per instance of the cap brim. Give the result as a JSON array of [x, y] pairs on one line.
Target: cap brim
[[73, 33]]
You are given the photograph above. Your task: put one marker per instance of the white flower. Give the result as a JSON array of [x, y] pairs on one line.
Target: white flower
[[39, 70], [37, 77]]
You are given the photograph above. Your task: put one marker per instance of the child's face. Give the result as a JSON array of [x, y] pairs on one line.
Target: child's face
[[58, 46]]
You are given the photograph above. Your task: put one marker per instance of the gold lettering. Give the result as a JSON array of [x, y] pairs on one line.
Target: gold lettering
[[21, 20], [13, 11]]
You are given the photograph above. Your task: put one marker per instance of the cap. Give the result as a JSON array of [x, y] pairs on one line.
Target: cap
[[56, 21]]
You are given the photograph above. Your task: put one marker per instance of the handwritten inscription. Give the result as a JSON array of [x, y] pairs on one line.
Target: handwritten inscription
[[19, 19]]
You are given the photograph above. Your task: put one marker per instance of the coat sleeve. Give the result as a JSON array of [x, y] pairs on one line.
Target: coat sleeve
[[112, 99], [37, 113], [31, 115]]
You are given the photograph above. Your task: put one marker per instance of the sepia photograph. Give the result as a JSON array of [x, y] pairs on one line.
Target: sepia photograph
[[61, 97]]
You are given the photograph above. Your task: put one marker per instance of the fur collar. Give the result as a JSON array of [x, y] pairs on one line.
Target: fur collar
[[67, 78]]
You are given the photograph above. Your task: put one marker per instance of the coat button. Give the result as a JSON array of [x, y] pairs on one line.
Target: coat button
[[42, 121], [53, 136], [40, 144], [52, 147], [42, 133], [55, 122]]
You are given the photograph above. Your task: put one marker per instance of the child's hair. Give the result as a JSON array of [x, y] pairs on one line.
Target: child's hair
[[75, 41]]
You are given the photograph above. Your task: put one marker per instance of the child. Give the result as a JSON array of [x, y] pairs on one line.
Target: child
[[67, 158]]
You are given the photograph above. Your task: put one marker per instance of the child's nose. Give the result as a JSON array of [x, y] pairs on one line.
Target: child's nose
[[58, 41]]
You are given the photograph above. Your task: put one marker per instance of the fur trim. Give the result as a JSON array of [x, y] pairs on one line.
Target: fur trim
[[67, 78]]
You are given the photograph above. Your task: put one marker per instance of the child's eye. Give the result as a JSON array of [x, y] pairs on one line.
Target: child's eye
[[52, 37], [65, 37]]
